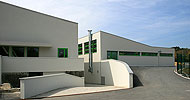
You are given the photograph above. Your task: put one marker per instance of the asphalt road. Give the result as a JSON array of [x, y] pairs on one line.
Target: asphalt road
[[151, 83]]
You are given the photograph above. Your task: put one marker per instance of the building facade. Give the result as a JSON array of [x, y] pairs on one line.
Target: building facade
[[38, 44], [109, 46]]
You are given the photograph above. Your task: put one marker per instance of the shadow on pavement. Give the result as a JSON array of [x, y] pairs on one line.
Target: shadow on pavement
[[136, 81]]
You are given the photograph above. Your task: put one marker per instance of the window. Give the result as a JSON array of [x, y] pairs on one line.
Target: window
[[166, 54], [126, 53], [149, 54], [112, 55], [4, 50], [18, 51], [93, 47], [32, 52], [80, 49], [63, 52]]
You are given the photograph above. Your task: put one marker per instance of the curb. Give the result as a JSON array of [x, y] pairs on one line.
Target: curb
[[77, 94], [181, 75]]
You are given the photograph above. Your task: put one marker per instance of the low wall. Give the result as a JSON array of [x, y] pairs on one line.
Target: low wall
[[41, 64], [117, 73], [31, 86]]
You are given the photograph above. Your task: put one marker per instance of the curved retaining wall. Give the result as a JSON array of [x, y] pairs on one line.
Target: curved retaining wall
[[116, 73]]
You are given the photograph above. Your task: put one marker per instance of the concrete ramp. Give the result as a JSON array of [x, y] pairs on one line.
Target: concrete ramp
[[31, 86]]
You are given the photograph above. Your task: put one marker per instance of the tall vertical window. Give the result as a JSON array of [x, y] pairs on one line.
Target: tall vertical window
[[80, 49], [4, 50], [32, 52], [93, 47], [18, 51], [63, 52]]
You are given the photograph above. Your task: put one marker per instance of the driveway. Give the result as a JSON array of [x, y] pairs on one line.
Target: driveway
[[151, 83]]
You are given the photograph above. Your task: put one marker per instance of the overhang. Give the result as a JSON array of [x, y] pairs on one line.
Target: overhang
[[28, 44]]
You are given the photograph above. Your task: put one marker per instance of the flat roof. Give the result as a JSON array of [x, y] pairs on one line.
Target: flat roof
[[20, 43]]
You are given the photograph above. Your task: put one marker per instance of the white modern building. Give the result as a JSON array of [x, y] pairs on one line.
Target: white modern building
[[38, 43], [107, 46]]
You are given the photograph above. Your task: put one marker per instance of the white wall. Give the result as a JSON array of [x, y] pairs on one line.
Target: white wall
[[111, 42], [95, 77], [96, 56], [117, 73], [41, 64], [31, 86], [21, 25]]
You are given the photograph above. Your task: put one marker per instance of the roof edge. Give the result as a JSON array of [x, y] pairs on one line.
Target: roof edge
[[38, 12]]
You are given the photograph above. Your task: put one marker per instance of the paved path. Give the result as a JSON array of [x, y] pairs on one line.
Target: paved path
[[158, 83], [89, 88]]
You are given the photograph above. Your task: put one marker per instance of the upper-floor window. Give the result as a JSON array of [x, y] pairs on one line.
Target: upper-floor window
[[80, 49], [93, 47], [63, 52]]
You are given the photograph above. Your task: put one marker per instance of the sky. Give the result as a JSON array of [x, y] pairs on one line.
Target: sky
[[163, 23]]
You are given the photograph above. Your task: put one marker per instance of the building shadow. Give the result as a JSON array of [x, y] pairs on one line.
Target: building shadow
[[136, 81]]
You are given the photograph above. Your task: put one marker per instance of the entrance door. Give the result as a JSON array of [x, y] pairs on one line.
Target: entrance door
[[112, 55]]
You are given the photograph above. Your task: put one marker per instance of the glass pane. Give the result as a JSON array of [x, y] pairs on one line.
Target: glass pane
[[108, 55], [18, 51], [32, 52], [4, 50], [61, 52]]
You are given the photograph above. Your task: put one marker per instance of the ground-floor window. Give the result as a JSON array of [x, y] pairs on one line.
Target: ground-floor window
[[4, 50], [32, 52], [127, 53], [63, 52], [149, 54], [18, 51], [166, 54], [112, 55]]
